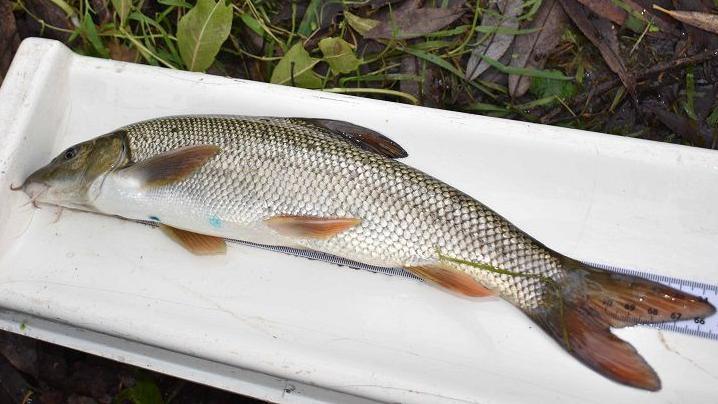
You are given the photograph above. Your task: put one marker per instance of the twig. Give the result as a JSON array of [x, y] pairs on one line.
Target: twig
[[608, 85]]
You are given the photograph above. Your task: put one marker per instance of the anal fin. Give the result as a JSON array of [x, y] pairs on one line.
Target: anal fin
[[198, 244], [451, 279]]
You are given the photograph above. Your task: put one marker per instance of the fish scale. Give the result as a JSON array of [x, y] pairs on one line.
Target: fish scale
[[295, 169]]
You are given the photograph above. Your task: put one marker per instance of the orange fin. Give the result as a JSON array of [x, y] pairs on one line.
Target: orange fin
[[589, 339], [198, 244], [592, 301], [172, 166], [451, 279], [360, 136], [315, 227]]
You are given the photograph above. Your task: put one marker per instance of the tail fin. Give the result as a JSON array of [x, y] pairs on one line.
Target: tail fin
[[590, 301]]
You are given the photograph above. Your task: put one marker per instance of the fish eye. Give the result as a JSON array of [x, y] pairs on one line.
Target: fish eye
[[70, 153]]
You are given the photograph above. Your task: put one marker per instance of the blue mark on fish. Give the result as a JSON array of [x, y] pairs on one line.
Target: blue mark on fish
[[215, 221]]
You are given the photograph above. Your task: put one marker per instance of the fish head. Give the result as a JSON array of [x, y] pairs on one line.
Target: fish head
[[73, 179]]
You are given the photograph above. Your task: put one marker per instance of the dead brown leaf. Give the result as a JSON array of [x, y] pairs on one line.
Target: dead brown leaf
[[410, 21], [53, 15], [705, 21], [606, 9], [531, 50], [610, 55], [9, 39], [121, 52], [499, 13]]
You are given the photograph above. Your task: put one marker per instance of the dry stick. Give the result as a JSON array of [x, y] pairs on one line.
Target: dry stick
[[607, 85]]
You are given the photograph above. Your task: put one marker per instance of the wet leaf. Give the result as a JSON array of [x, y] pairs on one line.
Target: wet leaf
[[9, 38], [602, 41], [532, 50], [20, 351], [409, 21], [295, 69], [360, 25], [606, 9], [121, 52], [52, 14], [499, 13], [201, 33], [122, 7], [339, 54], [705, 21]]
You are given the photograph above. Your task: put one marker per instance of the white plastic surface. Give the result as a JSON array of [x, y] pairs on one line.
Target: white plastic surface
[[594, 197]]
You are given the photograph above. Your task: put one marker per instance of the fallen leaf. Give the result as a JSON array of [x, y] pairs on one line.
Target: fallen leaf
[[409, 21], [339, 54], [9, 38], [531, 50], [13, 386], [643, 8], [121, 52], [374, 4], [360, 25], [20, 351], [202, 31], [295, 69], [705, 21], [51, 14], [606, 9], [502, 14], [610, 55]]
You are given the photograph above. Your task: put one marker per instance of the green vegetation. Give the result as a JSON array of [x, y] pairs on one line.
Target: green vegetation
[[605, 66]]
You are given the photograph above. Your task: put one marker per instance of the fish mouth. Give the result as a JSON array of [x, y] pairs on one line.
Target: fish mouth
[[34, 190]]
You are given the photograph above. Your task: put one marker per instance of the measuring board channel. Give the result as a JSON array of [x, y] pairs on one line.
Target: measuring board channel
[[698, 326]]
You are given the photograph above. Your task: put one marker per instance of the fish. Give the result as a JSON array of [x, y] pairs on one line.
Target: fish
[[341, 189]]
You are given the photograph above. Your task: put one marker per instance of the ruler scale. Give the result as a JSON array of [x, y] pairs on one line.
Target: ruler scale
[[700, 327]]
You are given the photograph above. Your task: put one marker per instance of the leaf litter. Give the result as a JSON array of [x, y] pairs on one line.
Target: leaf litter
[[567, 62]]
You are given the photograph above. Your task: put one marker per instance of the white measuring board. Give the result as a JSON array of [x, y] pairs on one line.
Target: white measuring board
[[697, 326], [257, 322]]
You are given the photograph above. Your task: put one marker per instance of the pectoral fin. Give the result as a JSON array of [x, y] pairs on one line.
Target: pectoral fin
[[198, 244], [451, 279], [172, 166], [315, 227]]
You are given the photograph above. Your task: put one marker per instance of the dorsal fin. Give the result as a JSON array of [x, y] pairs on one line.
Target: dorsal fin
[[359, 136]]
